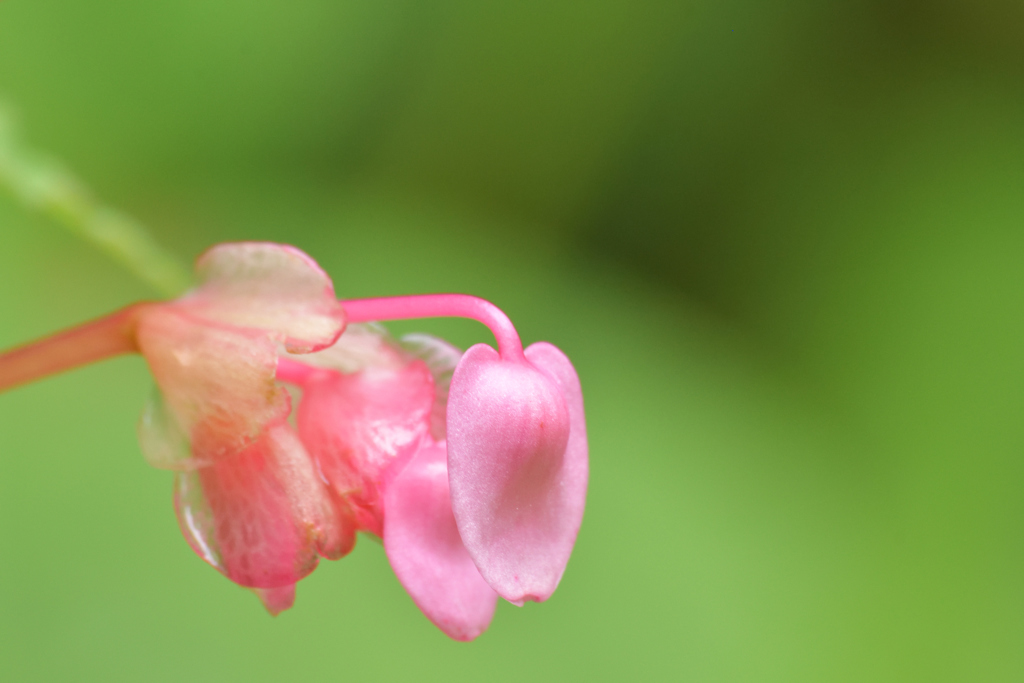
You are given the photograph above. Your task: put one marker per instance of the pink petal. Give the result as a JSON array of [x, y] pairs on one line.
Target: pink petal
[[426, 552], [271, 287], [337, 539], [357, 425], [276, 600], [517, 462], [368, 345], [217, 388], [260, 516]]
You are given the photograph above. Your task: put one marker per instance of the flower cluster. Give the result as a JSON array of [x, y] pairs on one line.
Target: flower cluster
[[471, 467]]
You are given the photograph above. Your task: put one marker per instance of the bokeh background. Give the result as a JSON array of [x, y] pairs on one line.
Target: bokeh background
[[781, 241]]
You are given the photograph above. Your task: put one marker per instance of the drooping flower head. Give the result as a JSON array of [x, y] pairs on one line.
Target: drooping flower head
[[517, 456], [472, 468]]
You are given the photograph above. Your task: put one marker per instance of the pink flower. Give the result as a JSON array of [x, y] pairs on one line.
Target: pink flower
[[369, 416], [496, 508], [365, 405], [471, 467], [248, 497]]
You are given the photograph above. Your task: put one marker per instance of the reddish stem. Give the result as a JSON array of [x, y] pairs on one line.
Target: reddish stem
[[111, 335], [440, 306]]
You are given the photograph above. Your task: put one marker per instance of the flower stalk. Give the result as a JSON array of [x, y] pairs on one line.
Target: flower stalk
[[440, 306], [111, 335]]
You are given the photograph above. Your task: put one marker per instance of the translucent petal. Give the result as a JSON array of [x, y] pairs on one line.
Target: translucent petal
[[271, 287], [441, 358], [260, 516], [196, 518], [361, 346], [426, 551], [217, 384], [357, 425], [161, 439], [517, 462]]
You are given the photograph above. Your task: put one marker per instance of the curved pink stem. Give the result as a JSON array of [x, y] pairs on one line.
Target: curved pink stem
[[440, 306], [111, 335]]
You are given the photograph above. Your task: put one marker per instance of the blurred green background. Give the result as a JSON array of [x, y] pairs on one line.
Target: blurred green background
[[781, 241]]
